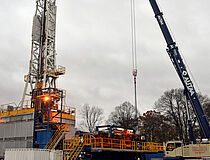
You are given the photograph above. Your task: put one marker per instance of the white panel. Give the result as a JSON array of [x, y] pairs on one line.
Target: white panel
[[29, 128], [36, 29], [27, 154], [56, 155]]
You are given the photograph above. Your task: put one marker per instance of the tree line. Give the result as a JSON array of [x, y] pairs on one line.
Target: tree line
[[167, 121]]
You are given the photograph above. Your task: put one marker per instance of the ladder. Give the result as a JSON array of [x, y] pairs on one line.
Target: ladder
[[74, 149], [57, 136]]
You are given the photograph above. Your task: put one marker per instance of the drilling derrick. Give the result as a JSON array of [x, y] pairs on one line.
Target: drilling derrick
[[40, 84], [43, 71], [42, 119]]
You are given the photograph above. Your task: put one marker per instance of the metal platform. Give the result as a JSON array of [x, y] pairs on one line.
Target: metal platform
[[88, 143], [17, 125], [13, 110]]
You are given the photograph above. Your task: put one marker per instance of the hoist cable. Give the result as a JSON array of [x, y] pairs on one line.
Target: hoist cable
[[133, 34], [133, 50]]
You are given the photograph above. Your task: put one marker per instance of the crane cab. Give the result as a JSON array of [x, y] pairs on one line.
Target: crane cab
[[173, 148]]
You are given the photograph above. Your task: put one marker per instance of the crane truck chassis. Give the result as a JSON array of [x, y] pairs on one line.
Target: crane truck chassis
[[177, 150]]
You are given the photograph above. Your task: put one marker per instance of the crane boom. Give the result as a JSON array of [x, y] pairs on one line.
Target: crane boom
[[181, 70]]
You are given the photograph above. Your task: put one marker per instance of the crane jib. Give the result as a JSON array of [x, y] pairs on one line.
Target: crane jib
[[181, 70], [188, 82]]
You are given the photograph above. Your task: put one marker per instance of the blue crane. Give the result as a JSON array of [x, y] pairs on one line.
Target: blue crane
[[181, 70]]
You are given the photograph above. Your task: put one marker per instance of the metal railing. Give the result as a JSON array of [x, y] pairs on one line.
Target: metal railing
[[73, 147], [13, 109], [56, 72], [57, 136], [113, 144], [69, 110], [122, 144]]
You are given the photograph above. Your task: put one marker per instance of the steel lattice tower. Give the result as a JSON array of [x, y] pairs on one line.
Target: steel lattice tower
[[42, 68]]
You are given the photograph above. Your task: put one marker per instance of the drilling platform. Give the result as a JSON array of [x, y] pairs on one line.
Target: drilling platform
[[42, 119]]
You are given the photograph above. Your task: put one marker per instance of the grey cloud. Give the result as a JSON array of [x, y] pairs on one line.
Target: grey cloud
[[93, 42]]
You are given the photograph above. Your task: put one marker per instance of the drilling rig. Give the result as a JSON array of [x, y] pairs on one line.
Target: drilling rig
[[40, 83], [42, 119]]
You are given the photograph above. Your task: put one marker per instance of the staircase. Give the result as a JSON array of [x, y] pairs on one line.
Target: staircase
[[57, 136], [74, 149]]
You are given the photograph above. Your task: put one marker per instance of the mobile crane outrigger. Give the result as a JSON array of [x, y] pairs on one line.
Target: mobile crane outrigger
[[181, 70]]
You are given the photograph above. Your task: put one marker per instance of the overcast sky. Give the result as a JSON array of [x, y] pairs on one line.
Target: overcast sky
[[93, 42]]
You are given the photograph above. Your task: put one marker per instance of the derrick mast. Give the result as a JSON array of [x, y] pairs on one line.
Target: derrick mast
[[43, 71], [41, 120], [40, 85]]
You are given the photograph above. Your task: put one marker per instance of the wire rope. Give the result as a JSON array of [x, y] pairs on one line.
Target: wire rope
[[133, 34], [133, 51]]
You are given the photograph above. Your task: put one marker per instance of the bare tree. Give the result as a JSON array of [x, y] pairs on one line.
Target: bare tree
[[124, 116], [172, 104], [205, 102], [91, 116]]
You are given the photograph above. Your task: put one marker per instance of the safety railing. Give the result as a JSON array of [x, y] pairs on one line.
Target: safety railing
[[121, 144], [114, 144], [69, 110], [61, 70], [73, 147], [69, 144], [13, 109], [57, 136], [56, 72]]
